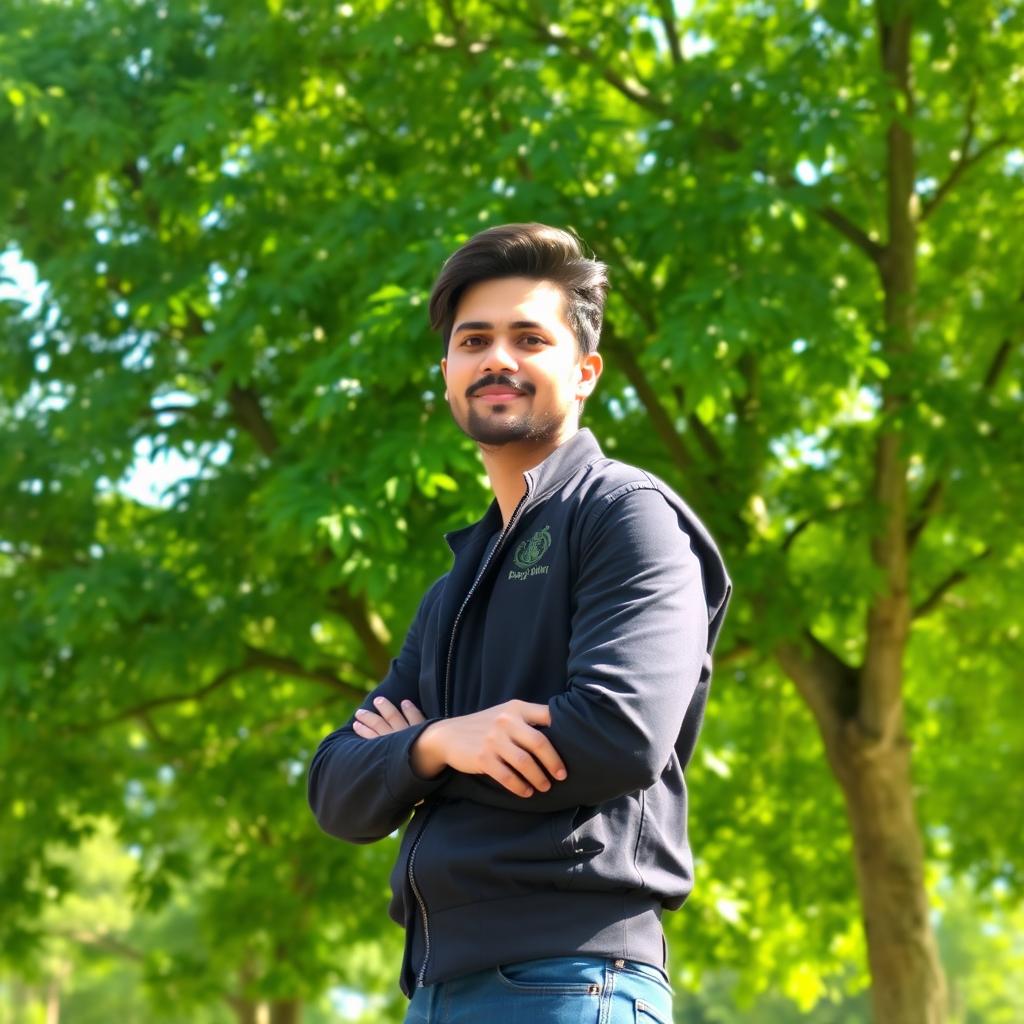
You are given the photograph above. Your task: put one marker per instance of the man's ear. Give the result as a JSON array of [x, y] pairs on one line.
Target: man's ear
[[588, 370], [444, 374]]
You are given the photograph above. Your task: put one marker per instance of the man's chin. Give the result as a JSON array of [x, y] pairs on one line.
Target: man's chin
[[507, 430]]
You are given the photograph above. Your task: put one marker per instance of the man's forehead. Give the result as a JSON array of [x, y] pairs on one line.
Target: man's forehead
[[510, 302]]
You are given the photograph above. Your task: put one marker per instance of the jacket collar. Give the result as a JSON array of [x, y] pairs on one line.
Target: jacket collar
[[580, 450]]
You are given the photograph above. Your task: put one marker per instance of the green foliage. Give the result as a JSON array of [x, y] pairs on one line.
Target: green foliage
[[237, 211]]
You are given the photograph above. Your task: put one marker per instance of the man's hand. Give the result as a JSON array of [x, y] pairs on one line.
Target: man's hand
[[501, 742], [387, 719]]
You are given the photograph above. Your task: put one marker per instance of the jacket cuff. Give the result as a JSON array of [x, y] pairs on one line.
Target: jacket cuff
[[403, 784]]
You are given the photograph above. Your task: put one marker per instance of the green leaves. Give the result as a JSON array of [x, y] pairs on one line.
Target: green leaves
[[238, 211]]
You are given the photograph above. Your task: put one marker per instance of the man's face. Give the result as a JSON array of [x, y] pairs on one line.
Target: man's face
[[513, 369]]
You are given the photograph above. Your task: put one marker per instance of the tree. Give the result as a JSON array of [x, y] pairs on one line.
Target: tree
[[813, 334]]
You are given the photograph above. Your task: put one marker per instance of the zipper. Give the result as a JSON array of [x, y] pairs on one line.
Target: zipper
[[472, 590], [447, 676], [423, 907]]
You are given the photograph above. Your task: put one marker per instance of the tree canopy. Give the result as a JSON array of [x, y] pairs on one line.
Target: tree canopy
[[811, 216]]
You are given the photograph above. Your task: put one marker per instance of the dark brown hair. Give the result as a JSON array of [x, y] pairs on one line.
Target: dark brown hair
[[525, 250]]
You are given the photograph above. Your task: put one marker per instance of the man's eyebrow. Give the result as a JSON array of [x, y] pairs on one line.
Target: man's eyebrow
[[484, 325]]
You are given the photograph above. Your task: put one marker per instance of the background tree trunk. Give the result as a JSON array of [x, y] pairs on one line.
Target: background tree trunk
[[286, 1011], [908, 983], [246, 1010], [53, 1001]]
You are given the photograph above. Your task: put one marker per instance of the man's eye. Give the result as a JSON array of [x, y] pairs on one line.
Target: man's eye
[[534, 340], [470, 342]]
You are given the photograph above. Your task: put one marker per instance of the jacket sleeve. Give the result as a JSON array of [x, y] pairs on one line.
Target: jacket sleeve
[[638, 645], [361, 790]]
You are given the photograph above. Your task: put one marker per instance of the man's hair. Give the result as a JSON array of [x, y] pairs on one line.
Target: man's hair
[[525, 250]]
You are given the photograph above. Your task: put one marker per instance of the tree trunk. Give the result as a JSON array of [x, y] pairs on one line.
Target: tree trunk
[[908, 983], [53, 1001], [286, 1011], [246, 1010]]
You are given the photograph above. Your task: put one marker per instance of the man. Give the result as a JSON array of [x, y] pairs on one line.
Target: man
[[539, 716]]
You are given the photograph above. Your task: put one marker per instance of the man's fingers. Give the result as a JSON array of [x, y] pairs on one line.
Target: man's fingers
[[387, 718], [365, 727], [522, 717], [534, 714], [523, 762], [542, 749], [504, 776], [413, 715], [390, 713]]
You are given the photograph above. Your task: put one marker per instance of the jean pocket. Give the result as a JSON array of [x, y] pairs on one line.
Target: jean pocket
[[553, 976], [647, 973], [645, 1013]]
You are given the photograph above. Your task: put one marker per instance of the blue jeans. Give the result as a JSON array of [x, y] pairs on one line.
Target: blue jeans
[[557, 990]]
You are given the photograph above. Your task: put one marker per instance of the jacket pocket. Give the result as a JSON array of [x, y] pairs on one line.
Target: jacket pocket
[[470, 853], [605, 840], [563, 832]]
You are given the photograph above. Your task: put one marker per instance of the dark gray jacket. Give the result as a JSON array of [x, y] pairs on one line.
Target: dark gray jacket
[[603, 598]]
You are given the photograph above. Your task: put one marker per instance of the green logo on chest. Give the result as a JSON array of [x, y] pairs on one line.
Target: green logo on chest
[[531, 551]]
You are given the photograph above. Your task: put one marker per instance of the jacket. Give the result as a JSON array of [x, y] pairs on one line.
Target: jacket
[[602, 597]]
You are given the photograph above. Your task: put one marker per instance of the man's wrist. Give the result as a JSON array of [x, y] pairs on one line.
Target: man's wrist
[[425, 754]]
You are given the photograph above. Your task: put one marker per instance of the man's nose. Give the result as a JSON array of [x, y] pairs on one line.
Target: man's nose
[[500, 355]]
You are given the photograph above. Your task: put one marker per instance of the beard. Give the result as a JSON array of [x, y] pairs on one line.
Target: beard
[[499, 427]]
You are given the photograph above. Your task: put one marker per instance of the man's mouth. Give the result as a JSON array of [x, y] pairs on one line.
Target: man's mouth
[[494, 393], [498, 389]]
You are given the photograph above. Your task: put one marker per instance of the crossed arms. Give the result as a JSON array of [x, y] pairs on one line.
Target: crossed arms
[[501, 742], [637, 649]]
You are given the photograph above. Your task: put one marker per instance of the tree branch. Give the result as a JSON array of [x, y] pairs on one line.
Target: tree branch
[[99, 940], [248, 414], [965, 159], [926, 511], [216, 683], [707, 440], [810, 520], [354, 609], [837, 219], [254, 658], [997, 364], [286, 666], [739, 651], [633, 91], [855, 234], [932, 499], [660, 419], [827, 684], [961, 168], [668, 21], [246, 405], [939, 591]]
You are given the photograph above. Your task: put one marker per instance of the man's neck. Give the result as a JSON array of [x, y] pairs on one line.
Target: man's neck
[[506, 464]]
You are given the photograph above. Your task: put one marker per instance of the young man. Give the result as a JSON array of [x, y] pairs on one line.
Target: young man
[[547, 699]]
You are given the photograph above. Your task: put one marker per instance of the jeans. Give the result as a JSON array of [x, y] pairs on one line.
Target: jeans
[[557, 990]]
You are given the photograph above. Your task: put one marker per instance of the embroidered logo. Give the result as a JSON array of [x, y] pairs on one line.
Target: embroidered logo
[[529, 553]]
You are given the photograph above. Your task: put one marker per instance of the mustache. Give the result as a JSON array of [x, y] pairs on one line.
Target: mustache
[[499, 380]]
